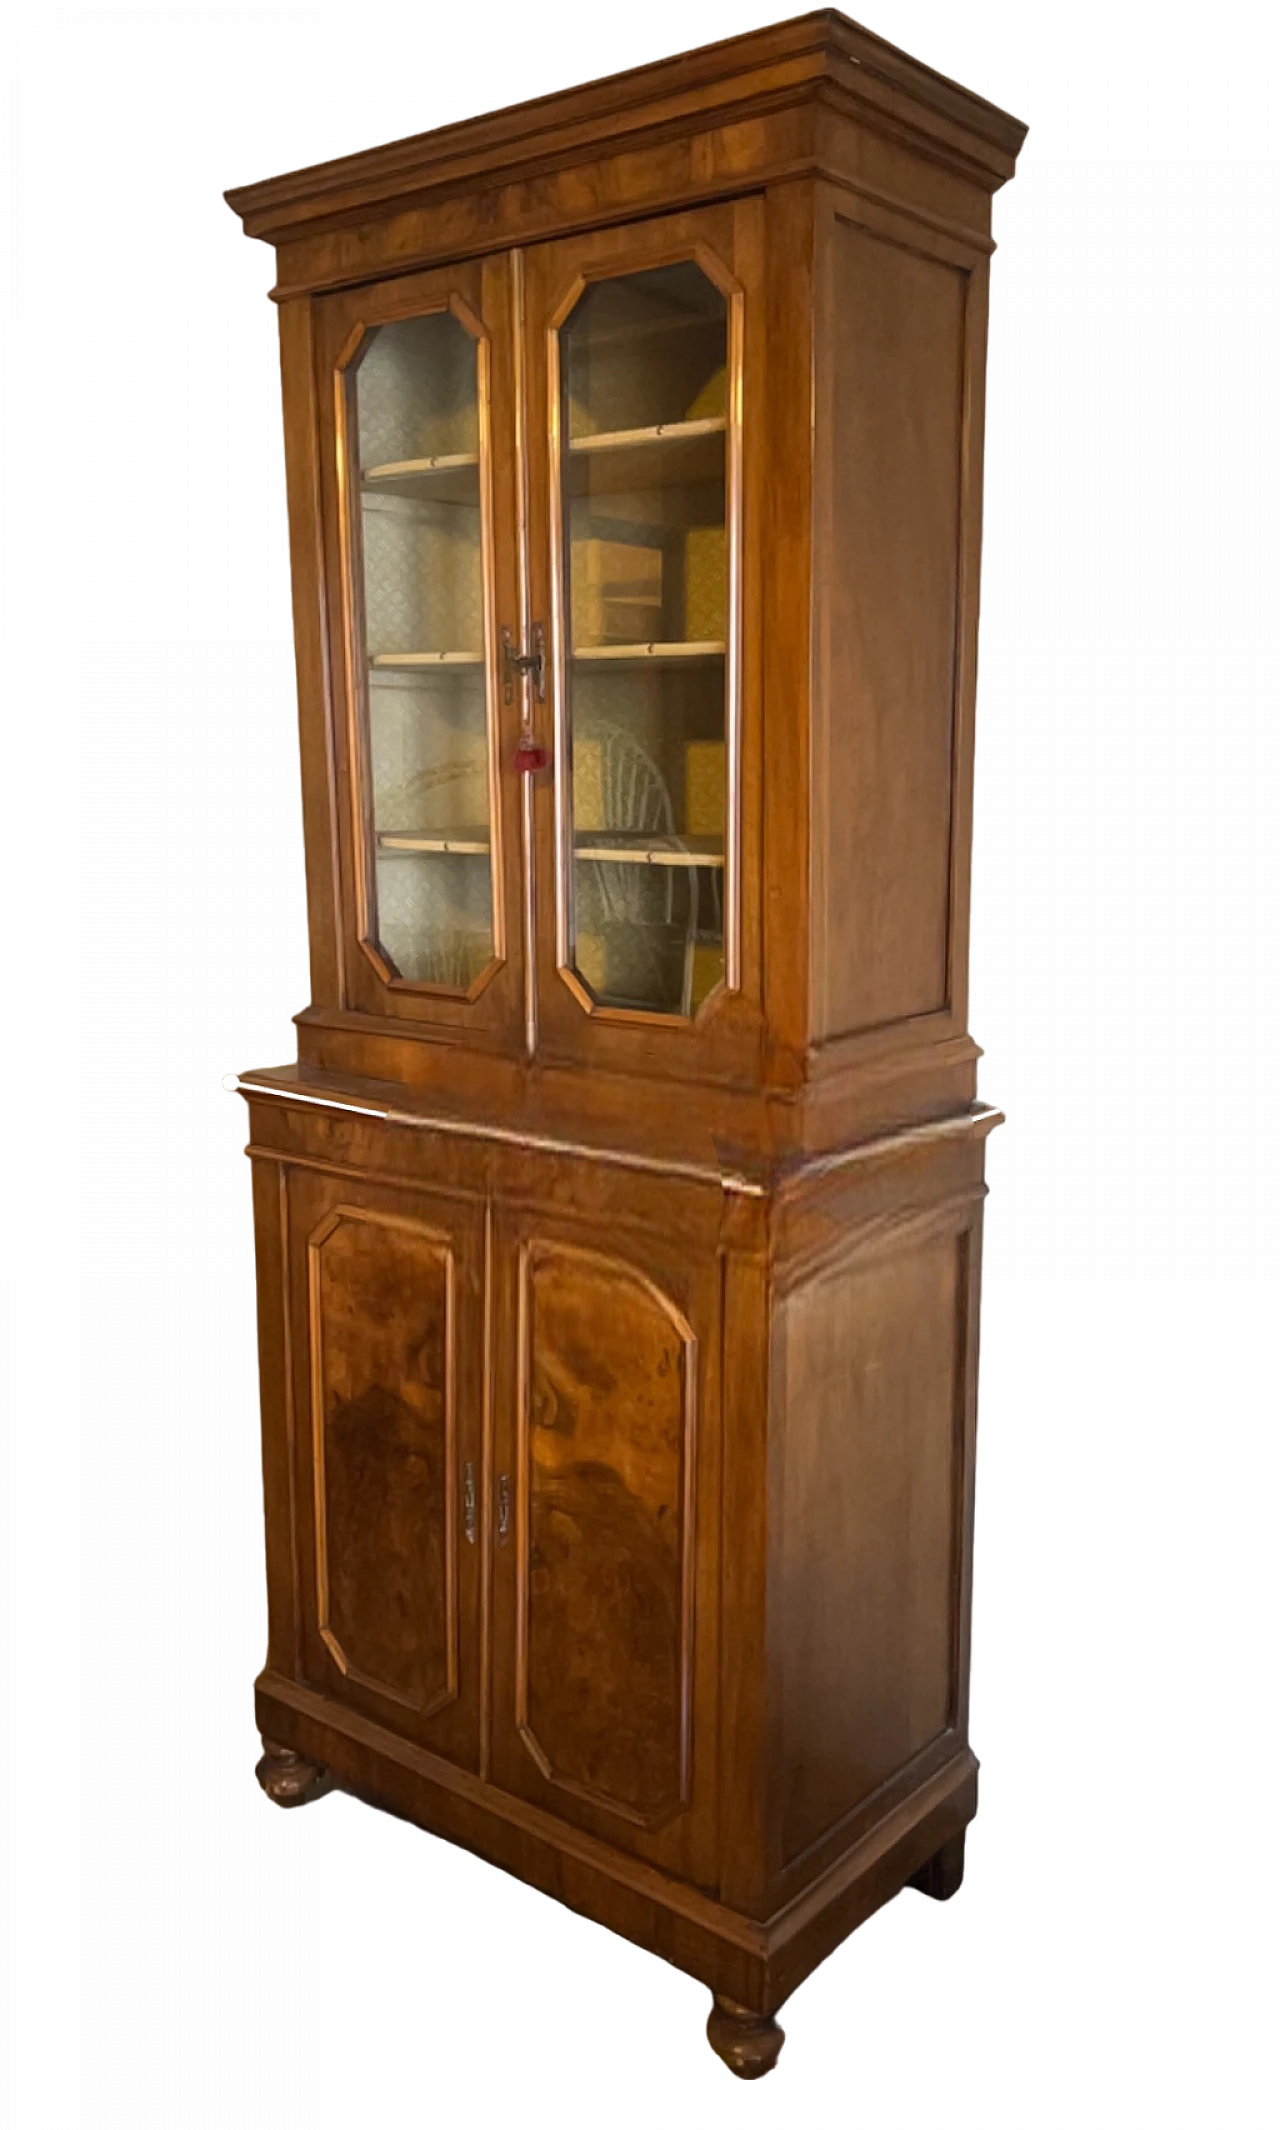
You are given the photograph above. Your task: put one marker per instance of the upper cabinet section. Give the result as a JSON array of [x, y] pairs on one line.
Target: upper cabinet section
[[635, 450]]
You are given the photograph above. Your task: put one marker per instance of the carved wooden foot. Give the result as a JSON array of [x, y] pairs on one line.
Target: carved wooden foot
[[943, 1875], [287, 1778], [749, 2042]]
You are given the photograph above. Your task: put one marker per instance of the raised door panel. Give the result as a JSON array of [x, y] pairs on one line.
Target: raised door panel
[[604, 1619], [387, 1293], [644, 359], [418, 488]]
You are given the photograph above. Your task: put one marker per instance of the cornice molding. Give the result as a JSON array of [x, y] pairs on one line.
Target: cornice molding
[[822, 56]]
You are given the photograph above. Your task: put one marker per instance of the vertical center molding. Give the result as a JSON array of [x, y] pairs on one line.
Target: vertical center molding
[[528, 888]]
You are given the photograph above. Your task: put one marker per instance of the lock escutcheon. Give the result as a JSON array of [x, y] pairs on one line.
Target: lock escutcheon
[[531, 663]]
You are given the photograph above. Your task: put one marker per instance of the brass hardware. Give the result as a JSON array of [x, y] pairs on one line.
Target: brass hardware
[[531, 662], [504, 1506], [469, 1503]]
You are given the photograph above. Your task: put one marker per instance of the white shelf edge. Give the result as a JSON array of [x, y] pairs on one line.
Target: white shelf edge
[[406, 843], [387, 661], [643, 653], [709, 860], [660, 433], [407, 469]]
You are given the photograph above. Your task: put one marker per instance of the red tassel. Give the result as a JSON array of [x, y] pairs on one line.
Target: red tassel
[[530, 757]]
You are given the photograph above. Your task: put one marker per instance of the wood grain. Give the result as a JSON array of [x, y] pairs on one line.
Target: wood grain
[[607, 1455], [869, 1375], [889, 446], [386, 1302], [311, 642], [787, 545], [385, 1468], [756, 1964], [814, 61], [619, 1376], [276, 1379], [861, 521], [606, 1586]]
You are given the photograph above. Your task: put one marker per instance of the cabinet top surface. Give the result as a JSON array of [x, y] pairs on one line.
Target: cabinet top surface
[[818, 56]]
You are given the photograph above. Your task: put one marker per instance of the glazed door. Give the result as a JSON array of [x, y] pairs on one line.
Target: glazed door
[[417, 442], [644, 377], [386, 1312], [606, 1527]]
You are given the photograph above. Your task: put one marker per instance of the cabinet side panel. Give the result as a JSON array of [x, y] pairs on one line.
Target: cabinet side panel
[[872, 1387], [275, 1370], [890, 409]]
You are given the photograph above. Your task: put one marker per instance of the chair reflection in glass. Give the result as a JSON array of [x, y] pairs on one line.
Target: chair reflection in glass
[[637, 920]]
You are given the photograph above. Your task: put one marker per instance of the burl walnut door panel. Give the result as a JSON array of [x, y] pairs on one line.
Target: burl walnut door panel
[[387, 1313], [606, 1550]]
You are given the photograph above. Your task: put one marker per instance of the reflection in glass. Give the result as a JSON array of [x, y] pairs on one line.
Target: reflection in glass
[[643, 425], [418, 571]]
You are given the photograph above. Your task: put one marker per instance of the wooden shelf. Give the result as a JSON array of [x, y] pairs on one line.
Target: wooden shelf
[[648, 654], [618, 847], [388, 661], [615, 847], [446, 842], [670, 455], [660, 433], [452, 478]]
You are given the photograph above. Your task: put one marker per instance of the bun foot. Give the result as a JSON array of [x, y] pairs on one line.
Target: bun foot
[[749, 2042], [943, 1875], [288, 1778]]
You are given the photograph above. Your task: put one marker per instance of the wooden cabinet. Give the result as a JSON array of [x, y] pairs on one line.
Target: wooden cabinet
[[619, 1222]]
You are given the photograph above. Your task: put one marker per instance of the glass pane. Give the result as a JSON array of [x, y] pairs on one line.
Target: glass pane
[[419, 577], [643, 457]]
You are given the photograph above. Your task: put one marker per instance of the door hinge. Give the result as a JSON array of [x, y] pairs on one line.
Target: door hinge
[[504, 1506], [469, 1504]]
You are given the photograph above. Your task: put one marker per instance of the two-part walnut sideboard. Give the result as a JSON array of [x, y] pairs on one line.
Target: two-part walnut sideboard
[[619, 1225]]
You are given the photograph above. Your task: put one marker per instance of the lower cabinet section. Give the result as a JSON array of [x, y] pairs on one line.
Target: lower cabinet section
[[506, 1445], [619, 1524]]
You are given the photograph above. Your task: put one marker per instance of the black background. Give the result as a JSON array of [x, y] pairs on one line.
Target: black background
[[378, 1977]]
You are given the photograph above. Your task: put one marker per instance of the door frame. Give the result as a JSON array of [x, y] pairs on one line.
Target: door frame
[[722, 1042], [477, 293]]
